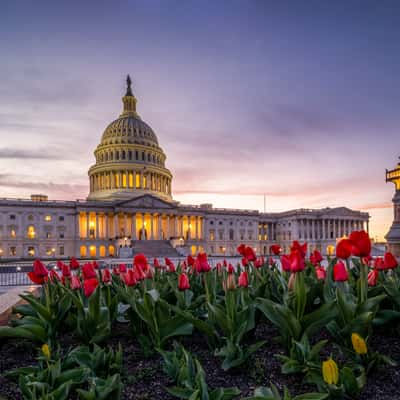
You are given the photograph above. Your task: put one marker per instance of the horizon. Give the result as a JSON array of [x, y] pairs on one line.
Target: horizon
[[297, 103]]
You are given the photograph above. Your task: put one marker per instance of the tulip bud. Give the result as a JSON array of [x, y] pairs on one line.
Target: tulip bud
[[359, 345], [46, 351], [330, 372]]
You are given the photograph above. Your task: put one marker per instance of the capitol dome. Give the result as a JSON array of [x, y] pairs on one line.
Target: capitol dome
[[129, 160]]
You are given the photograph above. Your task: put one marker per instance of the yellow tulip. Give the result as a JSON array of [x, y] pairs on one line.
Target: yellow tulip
[[359, 345], [46, 351], [330, 372]]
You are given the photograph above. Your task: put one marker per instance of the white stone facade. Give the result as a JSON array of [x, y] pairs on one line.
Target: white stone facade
[[93, 229]]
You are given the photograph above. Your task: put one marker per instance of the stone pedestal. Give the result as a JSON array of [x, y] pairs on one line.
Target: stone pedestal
[[393, 236]]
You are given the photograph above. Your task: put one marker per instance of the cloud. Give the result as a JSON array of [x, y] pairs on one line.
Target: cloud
[[62, 191], [39, 154]]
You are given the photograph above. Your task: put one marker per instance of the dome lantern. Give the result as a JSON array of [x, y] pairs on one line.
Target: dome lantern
[[129, 100]]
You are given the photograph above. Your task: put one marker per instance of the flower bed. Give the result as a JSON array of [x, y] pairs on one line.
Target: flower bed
[[252, 331]]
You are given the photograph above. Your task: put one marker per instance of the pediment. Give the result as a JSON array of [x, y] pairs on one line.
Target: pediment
[[342, 212], [145, 201]]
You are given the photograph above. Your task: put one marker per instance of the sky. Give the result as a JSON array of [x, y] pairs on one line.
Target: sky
[[294, 100]]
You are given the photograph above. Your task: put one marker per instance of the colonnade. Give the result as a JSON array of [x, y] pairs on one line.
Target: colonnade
[[140, 226], [128, 179], [329, 228]]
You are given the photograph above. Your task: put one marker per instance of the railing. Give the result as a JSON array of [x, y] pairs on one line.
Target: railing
[[16, 274]]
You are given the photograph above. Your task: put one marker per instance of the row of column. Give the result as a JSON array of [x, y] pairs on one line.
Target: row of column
[[130, 180], [140, 226], [328, 228], [267, 231]]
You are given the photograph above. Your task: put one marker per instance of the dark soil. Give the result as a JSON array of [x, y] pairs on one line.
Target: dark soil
[[144, 378]]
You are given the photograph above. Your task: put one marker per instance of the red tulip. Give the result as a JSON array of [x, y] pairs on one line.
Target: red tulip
[[201, 263], [361, 243], [39, 280], [244, 279], [250, 254], [225, 263], [373, 277], [156, 263], [54, 276], [106, 276], [115, 271], [321, 273], [275, 249], [190, 260], [89, 286], [171, 267], [296, 261], [139, 273], [66, 271], [259, 262], [140, 260], [122, 268], [301, 248], [219, 267], [316, 258], [75, 282], [390, 261], [168, 261], [183, 282], [39, 269], [343, 249], [340, 273], [230, 283], [231, 269], [245, 262], [129, 278], [88, 271], [241, 249], [95, 265], [379, 264], [73, 263]]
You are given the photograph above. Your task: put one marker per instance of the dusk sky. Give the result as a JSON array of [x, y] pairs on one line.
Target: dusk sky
[[297, 100]]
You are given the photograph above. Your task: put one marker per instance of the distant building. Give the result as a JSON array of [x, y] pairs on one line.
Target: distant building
[[393, 236], [130, 209]]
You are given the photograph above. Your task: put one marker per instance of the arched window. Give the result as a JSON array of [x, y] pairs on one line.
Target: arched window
[[148, 157], [102, 251], [31, 232], [130, 154], [83, 251], [136, 155], [117, 155], [111, 156], [143, 158], [111, 250], [231, 234], [123, 154]]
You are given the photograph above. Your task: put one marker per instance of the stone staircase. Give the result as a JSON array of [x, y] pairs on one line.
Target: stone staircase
[[154, 248]]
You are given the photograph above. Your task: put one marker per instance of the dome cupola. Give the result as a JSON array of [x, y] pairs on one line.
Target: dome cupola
[[129, 161]]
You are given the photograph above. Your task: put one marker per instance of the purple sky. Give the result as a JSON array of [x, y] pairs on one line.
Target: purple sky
[[297, 100]]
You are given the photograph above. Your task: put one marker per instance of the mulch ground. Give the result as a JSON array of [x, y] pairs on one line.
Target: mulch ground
[[144, 378]]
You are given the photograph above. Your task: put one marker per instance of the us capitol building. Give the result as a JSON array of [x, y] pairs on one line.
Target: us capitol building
[[130, 209]]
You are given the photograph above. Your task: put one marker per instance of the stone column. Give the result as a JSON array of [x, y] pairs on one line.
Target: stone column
[[133, 226], [116, 225], [176, 234], [97, 225], [196, 218], [168, 232], [151, 226], [106, 226], [313, 230], [87, 225], [125, 224], [159, 227]]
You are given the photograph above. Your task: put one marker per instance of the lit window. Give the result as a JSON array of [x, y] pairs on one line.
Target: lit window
[[212, 235], [31, 232], [12, 251], [61, 250], [13, 233], [30, 217], [31, 251], [48, 251], [48, 235], [47, 218]]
